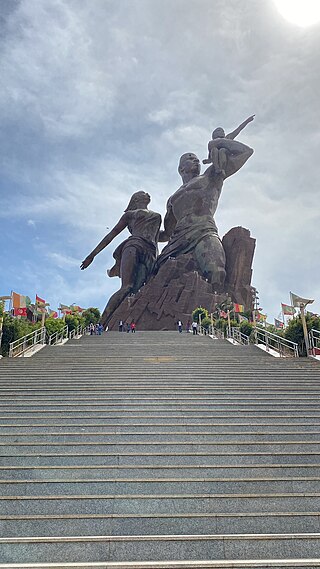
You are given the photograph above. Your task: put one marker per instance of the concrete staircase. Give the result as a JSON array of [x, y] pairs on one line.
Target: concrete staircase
[[159, 450]]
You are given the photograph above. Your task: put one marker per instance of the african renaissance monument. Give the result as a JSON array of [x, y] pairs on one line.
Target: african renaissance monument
[[195, 267]]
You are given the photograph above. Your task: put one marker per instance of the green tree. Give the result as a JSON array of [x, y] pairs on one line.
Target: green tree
[[91, 315], [13, 329], [200, 311], [206, 322], [294, 331], [73, 321], [54, 325], [246, 328]]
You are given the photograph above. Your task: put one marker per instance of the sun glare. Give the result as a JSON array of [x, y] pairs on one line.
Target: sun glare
[[300, 12]]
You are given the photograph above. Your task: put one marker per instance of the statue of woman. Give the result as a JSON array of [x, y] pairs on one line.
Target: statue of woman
[[135, 257]]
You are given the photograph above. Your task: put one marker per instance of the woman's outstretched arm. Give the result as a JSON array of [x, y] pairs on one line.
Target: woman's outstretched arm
[[120, 226]]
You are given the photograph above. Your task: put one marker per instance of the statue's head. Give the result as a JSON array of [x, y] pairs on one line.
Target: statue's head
[[189, 166], [218, 133], [138, 200]]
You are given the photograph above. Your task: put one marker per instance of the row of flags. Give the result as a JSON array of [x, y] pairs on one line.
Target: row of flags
[[21, 304], [288, 310]]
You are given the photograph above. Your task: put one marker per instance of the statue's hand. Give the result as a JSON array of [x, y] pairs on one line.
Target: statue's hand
[[88, 260], [250, 119]]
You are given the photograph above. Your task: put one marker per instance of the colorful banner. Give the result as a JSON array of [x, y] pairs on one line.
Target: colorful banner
[[288, 310], [52, 313], [238, 307], [278, 323]]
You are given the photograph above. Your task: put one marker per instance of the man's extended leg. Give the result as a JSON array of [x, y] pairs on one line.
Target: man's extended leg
[[211, 259]]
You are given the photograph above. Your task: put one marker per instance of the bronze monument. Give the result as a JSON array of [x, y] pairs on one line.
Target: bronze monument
[[195, 267]]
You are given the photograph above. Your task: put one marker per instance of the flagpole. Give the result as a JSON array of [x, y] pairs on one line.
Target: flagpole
[[305, 329], [229, 323]]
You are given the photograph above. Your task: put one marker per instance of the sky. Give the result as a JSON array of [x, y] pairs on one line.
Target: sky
[[99, 99]]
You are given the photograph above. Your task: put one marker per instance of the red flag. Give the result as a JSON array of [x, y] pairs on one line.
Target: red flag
[[238, 307], [20, 311]]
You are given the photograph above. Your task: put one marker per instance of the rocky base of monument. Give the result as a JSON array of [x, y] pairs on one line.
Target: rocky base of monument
[[178, 288]]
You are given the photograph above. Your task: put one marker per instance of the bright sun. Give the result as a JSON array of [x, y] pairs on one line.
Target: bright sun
[[300, 12]]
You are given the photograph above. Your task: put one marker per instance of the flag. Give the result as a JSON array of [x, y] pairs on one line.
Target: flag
[[298, 300], [223, 314], [260, 317], [65, 309], [19, 300], [242, 318], [288, 310], [40, 304], [22, 311], [77, 308], [238, 308], [278, 323], [53, 313]]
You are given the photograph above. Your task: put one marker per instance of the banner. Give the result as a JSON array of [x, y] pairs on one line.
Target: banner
[[298, 300], [238, 308], [288, 310], [278, 323]]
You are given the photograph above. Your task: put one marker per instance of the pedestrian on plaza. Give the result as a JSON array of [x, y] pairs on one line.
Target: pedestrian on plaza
[[195, 328], [120, 326], [133, 327], [100, 328], [180, 326], [128, 327], [91, 328], [188, 326]]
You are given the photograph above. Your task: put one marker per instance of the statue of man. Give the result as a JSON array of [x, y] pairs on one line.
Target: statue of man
[[189, 225]]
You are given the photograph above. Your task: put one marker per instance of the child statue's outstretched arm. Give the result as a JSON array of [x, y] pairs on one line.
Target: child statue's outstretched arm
[[235, 132], [120, 226]]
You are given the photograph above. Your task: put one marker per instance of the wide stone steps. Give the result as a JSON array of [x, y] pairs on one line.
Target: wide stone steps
[[159, 450], [160, 547]]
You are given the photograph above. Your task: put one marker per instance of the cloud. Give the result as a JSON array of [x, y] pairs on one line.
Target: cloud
[[100, 99]]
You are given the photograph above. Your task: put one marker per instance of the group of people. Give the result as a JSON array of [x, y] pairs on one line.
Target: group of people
[[189, 326], [126, 327], [95, 329], [189, 225]]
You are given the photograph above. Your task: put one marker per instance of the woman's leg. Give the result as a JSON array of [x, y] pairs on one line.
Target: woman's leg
[[132, 278]]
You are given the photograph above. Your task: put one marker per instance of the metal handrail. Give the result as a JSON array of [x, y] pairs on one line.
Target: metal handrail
[[76, 332], [217, 332], [57, 337], [284, 347], [22, 345], [239, 336], [314, 341]]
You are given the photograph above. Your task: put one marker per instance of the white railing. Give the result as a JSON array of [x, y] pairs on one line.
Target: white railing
[[238, 336], [284, 347], [314, 342], [217, 332], [22, 345], [76, 333], [58, 337]]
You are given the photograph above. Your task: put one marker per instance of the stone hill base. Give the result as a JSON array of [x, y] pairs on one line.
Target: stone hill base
[[177, 289]]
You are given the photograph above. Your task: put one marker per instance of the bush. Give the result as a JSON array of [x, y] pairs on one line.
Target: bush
[[54, 325], [13, 329], [294, 331], [73, 321], [206, 322], [200, 311], [246, 328]]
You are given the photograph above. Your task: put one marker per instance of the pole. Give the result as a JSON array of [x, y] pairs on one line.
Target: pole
[[229, 323], [305, 330]]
